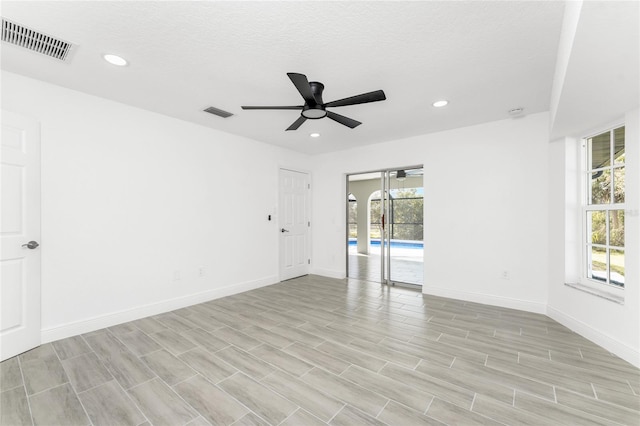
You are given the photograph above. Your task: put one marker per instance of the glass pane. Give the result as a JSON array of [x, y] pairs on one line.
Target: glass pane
[[597, 265], [353, 220], [406, 229], [616, 228], [353, 232], [375, 217], [616, 260], [600, 183], [353, 212], [599, 150], [597, 227], [363, 259], [406, 214], [618, 149], [618, 185]]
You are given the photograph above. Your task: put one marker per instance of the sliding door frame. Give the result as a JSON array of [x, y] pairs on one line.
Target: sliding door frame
[[385, 235]]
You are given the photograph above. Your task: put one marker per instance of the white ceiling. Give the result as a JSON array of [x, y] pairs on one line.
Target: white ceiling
[[485, 57], [602, 78]]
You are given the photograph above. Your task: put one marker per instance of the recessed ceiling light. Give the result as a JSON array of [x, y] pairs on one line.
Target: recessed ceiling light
[[115, 60], [315, 135], [440, 104]]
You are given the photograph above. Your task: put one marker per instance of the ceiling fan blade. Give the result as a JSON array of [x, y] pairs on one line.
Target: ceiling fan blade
[[375, 96], [349, 122], [302, 84], [297, 123], [272, 107]]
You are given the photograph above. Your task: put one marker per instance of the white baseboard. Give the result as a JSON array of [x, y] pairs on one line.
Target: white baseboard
[[96, 323], [330, 273], [108, 320], [614, 346], [625, 352], [487, 299]]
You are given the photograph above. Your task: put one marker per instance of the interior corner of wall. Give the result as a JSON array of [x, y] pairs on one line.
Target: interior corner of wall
[[621, 349], [570, 20]]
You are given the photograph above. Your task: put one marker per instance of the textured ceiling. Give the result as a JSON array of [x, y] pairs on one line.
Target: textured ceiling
[[484, 57]]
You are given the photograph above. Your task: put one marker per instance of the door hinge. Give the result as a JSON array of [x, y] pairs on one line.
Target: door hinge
[[309, 261], [308, 223], [308, 186]]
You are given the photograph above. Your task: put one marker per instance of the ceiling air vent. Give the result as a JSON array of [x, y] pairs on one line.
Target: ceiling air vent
[[33, 40], [218, 112]]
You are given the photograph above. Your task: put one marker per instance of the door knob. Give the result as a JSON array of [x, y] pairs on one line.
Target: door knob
[[31, 245], [284, 230]]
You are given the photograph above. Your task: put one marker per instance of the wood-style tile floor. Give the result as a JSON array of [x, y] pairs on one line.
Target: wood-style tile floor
[[313, 351]]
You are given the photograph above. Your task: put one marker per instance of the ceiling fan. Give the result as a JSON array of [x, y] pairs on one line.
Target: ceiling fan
[[315, 108]]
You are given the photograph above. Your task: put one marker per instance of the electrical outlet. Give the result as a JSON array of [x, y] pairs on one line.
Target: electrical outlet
[[176, 275], [504, 275], [201, 271]]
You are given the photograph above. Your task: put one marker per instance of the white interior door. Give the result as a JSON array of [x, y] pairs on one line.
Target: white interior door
[[19, 235], [294, 224]]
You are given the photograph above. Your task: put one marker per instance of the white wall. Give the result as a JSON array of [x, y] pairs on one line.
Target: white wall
[[485, 191], [609, 324], [586, 94], [130, 196], [570, 22]]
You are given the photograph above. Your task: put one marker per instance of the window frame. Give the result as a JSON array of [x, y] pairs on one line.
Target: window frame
[[586, 244]]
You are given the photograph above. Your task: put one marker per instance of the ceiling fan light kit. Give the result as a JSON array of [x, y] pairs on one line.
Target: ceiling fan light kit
[[315, 108], [313, 113]]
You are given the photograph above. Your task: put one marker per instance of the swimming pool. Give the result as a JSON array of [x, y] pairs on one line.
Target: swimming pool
[[418, 245]]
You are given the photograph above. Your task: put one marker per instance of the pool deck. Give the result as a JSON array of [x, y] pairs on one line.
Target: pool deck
[[407, 265]]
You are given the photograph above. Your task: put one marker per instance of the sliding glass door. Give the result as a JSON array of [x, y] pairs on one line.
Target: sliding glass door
[[385, 226]]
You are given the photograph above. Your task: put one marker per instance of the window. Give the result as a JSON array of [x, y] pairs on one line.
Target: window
[[603, 213]]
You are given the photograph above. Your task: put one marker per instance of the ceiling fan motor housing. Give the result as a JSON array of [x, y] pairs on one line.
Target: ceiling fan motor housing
[[316, 111]]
